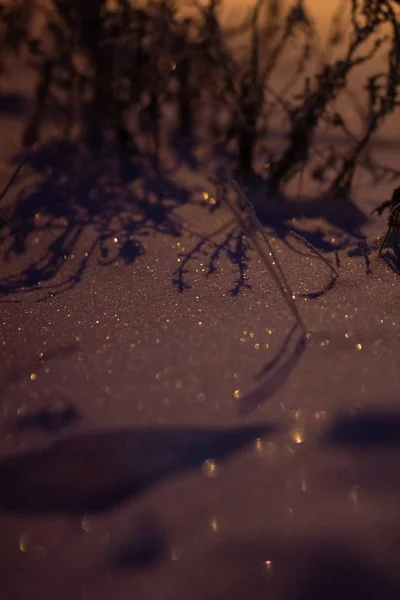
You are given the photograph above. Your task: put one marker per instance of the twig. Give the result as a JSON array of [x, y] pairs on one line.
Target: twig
[[313, 249], [248, 230]]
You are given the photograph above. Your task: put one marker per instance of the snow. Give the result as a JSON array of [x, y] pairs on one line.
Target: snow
[[191, 444], [130, 353]]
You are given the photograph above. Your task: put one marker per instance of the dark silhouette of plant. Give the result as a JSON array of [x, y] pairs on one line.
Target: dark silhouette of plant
[[382, 88], [318, 93], [15, 19], [100, 65]]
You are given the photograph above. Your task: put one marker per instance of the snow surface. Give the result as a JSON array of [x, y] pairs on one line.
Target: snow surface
[[158, 444]]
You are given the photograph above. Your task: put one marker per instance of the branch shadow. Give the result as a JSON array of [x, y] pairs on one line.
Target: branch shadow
[[232, 245], [323, 291], [312, 569], [39, 362], [144, 547], [88, 204], [363, 250], [99, 204], [342, 574], [280, 212], [371, 442], [49, 420], [375, 428], [94, 472], [300, 566], [276, 371]]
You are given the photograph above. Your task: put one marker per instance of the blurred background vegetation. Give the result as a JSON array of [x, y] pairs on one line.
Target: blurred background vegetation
[[122, 69]]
